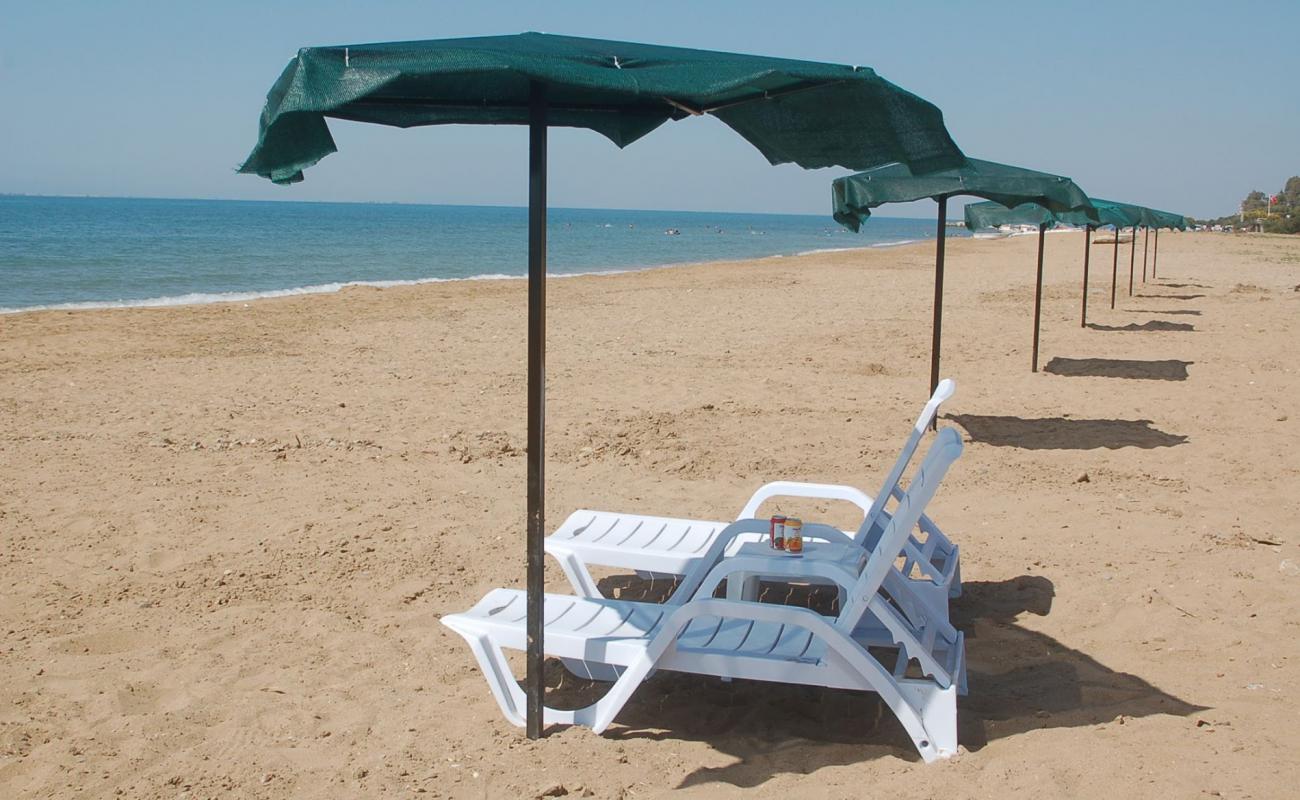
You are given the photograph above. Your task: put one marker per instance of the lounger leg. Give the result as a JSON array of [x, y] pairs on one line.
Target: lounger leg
[[910, 702], [511, 698], [576, 571], [954, 591], [500, 680], [938, 711]]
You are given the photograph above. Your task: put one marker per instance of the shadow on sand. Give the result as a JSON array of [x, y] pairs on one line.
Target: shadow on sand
[[1182, 286], [1059, 433], [1172, 296], [1190, 312], [1020, 680], [1167, 370], [1150, 325]]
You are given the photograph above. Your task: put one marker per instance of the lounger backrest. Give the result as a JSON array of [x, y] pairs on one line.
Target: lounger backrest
[[874, 521], [945, 450]]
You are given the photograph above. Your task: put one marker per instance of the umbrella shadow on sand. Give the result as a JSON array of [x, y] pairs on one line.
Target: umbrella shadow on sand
[[1189, 312], [1020, 680], [1059, 433], [1132, 369], [1150, 325], [1171, 296]]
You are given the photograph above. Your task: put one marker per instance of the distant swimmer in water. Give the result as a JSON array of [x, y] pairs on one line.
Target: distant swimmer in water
[[672, 232]]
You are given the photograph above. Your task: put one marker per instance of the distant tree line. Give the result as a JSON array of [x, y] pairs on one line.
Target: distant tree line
[[1282, 217]]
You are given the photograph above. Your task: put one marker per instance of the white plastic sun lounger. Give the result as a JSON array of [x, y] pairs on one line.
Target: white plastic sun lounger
[[669, 546], [695, 633]]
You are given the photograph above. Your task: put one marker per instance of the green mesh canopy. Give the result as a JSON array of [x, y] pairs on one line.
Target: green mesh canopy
[[854, 196], [809, 113], [1123, 215], [1166, 219], [994, 215]]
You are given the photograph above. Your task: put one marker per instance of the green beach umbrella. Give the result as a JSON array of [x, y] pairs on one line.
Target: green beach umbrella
[[1162, 219], [854, 196], [995, 215], [807, 113], [801, 112], [1123, 215], [1108, 212]]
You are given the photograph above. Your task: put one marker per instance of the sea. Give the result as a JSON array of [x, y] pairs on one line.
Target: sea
[[83, 252]]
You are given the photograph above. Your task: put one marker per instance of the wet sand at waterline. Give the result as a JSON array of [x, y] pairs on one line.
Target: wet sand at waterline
[[227, 532]]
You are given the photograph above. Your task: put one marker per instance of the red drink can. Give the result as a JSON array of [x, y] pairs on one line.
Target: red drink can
[[776, 532]]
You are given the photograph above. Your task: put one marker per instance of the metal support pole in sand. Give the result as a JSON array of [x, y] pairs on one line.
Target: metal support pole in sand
[[1114, 268], [536, 520], [1155, 254], [1038, 293], [1146, 240], [1132, 254], [1087, 251], [937, 332]]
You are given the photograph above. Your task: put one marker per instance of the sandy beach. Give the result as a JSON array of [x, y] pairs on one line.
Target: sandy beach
[[227, 532]]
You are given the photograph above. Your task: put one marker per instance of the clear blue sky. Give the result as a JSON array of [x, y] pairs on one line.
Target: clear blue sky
[[1178, 105]]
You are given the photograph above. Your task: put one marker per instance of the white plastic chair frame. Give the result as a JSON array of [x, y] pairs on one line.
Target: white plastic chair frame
[[695, 633]]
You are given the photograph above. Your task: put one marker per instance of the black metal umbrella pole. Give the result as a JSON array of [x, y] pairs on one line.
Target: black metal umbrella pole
[[1114, 268], [1146, 241], [937, 332], [536, 526], [1087, 252], [1038, 293], [1132, 254]]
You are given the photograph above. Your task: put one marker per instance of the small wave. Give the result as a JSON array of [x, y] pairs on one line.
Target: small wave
[[899, 243], [822, 250], [207, 298]]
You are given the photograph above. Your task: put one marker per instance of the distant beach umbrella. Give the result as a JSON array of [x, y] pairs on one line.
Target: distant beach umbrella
[[1101, 212], [1003, 185], [801, 112], [1163, 219]]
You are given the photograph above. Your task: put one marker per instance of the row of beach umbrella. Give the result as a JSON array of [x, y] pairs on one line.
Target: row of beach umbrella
[[807, 113], [1013, 196]]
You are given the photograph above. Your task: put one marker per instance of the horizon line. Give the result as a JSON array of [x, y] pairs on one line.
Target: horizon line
[[415, 203]]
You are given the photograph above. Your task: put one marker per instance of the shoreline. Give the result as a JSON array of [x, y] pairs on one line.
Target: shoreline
[[237, 296]]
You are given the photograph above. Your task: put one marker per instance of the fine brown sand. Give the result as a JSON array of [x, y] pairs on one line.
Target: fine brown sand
[[227, 532]]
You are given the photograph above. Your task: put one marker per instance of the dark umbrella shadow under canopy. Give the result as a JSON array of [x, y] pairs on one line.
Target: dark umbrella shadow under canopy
[[1005, 186], [801, 112]]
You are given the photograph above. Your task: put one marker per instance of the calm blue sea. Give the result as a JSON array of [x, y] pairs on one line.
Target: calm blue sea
[[69, 252]]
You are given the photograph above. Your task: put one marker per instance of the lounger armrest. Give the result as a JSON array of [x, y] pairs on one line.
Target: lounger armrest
[[792, 568], [691, 580], [818, 491]]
